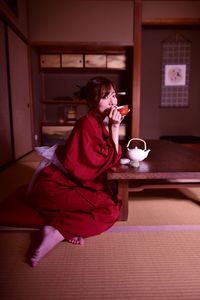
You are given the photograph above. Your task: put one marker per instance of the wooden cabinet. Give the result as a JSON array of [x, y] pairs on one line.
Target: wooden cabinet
[[63, 60], [62, 74]]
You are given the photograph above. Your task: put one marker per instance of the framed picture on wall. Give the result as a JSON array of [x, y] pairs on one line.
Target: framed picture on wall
[[175, 75]]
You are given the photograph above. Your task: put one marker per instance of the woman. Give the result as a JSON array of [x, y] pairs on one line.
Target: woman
[[77, 203]]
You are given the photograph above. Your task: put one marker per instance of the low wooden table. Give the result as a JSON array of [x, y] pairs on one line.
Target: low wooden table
[[168, 165]]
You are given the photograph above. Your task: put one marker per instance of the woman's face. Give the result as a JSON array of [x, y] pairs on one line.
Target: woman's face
[[107, 102]]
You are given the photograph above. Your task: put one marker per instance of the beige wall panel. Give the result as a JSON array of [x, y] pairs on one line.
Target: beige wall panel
[[82, 21], [20, 94], [170, 9]]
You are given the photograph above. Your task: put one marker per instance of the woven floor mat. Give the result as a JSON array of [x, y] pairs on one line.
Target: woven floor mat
[[136, 265]]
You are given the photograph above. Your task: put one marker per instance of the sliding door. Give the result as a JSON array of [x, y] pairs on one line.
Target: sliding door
[[20, 94], [5, 125]]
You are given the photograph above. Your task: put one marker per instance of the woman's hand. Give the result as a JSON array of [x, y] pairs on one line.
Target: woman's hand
[[114, 116], [115, 119]]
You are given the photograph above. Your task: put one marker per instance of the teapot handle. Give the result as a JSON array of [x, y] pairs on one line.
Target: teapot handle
[[138, 139]]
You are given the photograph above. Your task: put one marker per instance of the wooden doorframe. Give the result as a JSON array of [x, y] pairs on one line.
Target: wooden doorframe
[[136, 84]]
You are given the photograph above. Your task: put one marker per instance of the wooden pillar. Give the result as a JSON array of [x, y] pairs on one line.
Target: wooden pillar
[[137, 37]]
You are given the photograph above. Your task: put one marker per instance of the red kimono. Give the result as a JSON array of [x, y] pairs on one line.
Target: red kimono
[[79, 203]]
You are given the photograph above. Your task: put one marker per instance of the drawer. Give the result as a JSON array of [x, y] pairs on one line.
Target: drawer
[[72, 60], [95, 61], [50, 61], [116, 61]]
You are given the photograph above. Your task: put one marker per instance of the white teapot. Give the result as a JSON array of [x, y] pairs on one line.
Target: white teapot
[[136, 154]]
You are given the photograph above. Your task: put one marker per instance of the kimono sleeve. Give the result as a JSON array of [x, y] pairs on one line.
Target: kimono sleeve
[[90, 152]]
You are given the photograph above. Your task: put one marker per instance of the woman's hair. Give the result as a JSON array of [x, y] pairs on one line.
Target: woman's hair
[[97, 88]]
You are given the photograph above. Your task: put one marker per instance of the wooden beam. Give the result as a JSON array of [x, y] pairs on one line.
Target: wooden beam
[[171, 22], [136, 86]]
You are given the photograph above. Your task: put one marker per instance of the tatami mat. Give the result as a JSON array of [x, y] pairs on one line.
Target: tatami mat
[[152, 256], [153, 266], [167, 207]]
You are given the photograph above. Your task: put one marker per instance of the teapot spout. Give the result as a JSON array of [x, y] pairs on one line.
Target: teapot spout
[[147, 152]]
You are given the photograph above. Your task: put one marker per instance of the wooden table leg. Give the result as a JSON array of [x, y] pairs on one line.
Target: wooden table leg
[[123, 192]]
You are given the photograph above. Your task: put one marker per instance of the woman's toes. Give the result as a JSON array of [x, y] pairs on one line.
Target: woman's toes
[[77, 240]]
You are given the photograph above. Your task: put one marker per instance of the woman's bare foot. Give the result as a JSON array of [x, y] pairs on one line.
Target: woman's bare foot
[[51, 237], [77, 240]]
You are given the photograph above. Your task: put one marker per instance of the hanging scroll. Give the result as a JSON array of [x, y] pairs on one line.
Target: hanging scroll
[[175, 72]]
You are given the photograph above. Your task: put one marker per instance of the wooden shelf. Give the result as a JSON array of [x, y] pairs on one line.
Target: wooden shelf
[[82, 70], [64, 101], [68, 123]]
